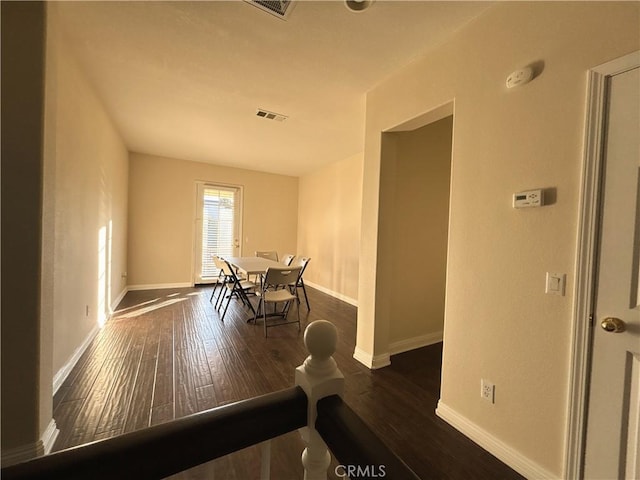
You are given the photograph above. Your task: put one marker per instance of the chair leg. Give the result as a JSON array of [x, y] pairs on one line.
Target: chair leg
[[256, 312], [215, 285], [248, 301], [217, 305], [241, 295], [228, 301], [213, 292], [223, 287], [304, 290], [264, 317]]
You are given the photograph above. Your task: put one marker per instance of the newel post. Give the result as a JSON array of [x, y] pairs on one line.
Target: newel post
[[319, 377]]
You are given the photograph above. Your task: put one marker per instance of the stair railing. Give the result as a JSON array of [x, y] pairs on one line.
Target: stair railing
[[314, 407]]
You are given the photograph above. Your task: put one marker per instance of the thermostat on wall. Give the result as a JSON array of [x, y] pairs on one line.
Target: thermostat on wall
[[532, 198]]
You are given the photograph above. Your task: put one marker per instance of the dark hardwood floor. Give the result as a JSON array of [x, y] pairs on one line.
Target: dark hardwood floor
[[165, 354]]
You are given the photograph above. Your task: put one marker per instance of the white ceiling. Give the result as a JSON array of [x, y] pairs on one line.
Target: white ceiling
[[184, 79]]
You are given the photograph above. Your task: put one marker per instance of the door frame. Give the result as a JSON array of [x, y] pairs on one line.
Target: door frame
[[195, 233], [587, 249]]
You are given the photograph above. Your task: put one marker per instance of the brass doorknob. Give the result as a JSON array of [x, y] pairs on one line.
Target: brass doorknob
[[612, 325]]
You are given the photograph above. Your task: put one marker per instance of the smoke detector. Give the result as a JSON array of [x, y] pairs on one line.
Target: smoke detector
[[357, 6]]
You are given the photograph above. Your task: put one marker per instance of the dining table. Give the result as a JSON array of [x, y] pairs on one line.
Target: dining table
[[252, 266]]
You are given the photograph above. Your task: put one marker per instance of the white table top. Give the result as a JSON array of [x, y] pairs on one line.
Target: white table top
[[253, 265]]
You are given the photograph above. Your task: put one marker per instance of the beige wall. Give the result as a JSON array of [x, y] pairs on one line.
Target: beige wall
[[86, 170], [329, 226], [77, 164], [162, 194], [499, 324], [26, 405], [414, 218]]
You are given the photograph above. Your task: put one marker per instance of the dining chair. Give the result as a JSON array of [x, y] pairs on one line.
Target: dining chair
[[236, 287], [278, 277], [287, 259], [270, 254], [301, 262]]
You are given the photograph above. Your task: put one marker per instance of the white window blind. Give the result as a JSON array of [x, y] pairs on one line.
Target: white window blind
[[218, 226], [218, 220]]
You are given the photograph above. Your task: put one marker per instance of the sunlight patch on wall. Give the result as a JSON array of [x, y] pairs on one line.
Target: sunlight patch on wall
[[102, 275], [105, 240]]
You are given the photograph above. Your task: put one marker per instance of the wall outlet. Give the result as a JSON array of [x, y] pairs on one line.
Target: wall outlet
[[488, 390]]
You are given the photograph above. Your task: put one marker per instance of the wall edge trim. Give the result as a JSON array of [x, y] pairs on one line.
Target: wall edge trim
[[504, 452]]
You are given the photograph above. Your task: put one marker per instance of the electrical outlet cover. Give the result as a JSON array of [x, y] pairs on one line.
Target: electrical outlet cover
[[487, 390]]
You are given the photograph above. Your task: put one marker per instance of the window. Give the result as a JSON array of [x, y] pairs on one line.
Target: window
[[217, 228]]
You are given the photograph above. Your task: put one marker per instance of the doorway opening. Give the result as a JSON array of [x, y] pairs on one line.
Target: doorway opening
[[415, 181]]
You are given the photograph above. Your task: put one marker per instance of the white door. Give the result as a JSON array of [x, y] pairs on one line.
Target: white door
[[612, 444], [217, 228]]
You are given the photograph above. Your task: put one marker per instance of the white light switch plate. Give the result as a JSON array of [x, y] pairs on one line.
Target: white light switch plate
[[555, 283]]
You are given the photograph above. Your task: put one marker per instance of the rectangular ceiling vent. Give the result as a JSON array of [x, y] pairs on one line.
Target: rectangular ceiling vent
[[279, 8], [271, 115]]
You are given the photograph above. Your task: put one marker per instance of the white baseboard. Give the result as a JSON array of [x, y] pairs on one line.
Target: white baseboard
[[159, 286], [384, 359], [22, 453], [49, 436], [493, 445], [116, 302], [339, 296], [63, 373], [370, 361], [415, 342], [32, 450]]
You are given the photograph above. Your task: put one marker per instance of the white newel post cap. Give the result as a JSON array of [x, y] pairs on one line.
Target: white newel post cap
[[320, 338]]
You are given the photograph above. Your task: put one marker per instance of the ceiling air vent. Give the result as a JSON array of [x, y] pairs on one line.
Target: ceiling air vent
[[271, 115], [279, 8]]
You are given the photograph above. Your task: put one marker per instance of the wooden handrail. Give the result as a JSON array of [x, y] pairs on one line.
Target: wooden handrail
[[169, 448], [163, 450], [355, 445]]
